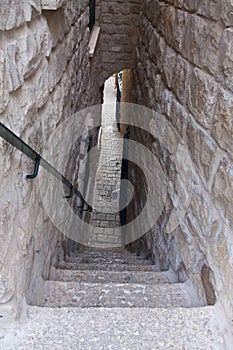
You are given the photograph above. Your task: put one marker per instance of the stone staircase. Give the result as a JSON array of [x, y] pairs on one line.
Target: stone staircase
[[111, 299], [111, 279]]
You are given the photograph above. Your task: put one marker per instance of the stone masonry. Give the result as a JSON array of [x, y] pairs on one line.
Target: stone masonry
[[184, 72], [45, 76], [180, 55], [107, 182]]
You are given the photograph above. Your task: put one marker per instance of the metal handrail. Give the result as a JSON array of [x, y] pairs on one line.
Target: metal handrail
[[22, 146]]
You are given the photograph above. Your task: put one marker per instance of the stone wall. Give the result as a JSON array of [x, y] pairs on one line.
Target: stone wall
[[184, 72], [119, 23], [45, 76]]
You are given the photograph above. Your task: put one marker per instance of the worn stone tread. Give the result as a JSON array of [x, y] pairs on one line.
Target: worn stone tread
[[108, 260], [67, 294], [105, 266], [140, 329], [112, 276]]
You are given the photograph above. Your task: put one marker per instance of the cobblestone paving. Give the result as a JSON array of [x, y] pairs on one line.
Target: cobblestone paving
[[106, 219]]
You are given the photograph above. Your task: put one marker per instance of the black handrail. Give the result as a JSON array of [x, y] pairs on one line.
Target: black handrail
[[14, 140]]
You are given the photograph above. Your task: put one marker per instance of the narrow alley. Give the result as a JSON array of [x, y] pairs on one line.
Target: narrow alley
[[116, 203]]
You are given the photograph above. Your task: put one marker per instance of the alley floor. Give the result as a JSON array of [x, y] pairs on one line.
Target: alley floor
[[106, 219]]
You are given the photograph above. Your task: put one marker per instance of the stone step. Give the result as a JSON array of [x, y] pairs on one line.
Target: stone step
[[74, 294], [116, 251], [105, 267], [113, 276], [138, 328], [103, 252], [98, 259]]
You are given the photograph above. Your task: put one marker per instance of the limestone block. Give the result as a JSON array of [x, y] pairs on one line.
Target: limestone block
[[167, 98], [227, 12], [210, 9], [179, 118], [113, 8], [188, 5], [40, 82], [34, 42], [14, 67], [226, 57], [57, 65], [4, 90], [21, 107], [169, 62], [223, 189], [223, 120], [202, 95], [151, 72], [211, 47], [56, 24], [51, 4], [60, 97], [157, 90], [188, 247], [173, 23], [153, 10], [161, 53], [202, 150], [18, 12], [207, 216], [180, 80], [72, 11], [15, 11], [153, 46], [174, 257], [222, 251], [195, 248], [202, 42]]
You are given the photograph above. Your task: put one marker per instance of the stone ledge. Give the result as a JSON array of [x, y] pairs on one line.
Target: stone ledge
[[93, 40], [51, 4]]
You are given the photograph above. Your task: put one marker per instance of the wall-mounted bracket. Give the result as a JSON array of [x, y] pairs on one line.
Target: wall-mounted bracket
[[70, 195], [36, 169]]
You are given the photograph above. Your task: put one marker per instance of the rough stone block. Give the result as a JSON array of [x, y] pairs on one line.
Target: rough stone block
[[40, 81], [202, 94], [167, 98], [223, 120], [34, 42], [51, 4], [223, 189], [98, 230], [202, 42], [226, 57], [173, 23], [16, 11], [154, 10], [57, 65], [169, 62], [227, 12], [188, 5], [14, 67], [208, 217], [4, 90], [202, 149], [179, 118], [210, 9], [56, 24], [180, 80]]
